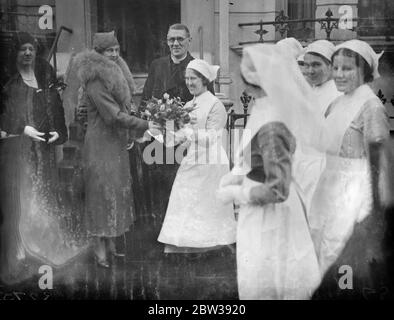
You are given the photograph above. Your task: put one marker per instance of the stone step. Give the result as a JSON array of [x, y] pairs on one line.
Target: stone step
[[76, 131], [67, 169], [71, 192], [72, 151], [69, 152]]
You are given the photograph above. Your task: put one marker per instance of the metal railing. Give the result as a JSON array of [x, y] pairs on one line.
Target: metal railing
[[328, 24], [383, 99], [233, 117]]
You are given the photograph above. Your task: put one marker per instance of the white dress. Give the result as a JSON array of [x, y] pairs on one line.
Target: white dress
[[326, 94], [310, 163], [343, 195], [195, 218], [276, 259]]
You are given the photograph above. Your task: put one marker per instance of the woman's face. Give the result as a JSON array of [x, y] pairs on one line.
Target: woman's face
[[346, 74], [112, 53], [194, 83], [317, 71], [303, 69], [26, 55]]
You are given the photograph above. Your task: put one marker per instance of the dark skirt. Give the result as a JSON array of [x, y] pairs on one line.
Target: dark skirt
[[152, 184]]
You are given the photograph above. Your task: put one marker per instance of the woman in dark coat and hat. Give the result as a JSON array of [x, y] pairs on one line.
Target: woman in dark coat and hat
[[32, 123]]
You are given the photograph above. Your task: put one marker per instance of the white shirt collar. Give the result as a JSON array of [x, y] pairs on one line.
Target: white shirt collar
[[176, 60]]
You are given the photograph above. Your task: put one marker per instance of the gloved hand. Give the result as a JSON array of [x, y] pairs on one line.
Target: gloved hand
[[233, 193], [33, 133], [145, 137], [228, 194], [186, 133], [230, 179], [155, 128], [54, 137], [130, 145], [173, 138]]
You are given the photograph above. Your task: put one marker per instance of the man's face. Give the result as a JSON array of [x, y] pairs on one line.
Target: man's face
[[178, 42]]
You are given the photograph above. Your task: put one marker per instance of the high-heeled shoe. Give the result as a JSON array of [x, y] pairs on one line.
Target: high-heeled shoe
[[111, 249], [102, 262], [117, 254]]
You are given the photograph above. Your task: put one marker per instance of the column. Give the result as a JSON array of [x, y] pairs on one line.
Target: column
[[198, 15], [224, 78]]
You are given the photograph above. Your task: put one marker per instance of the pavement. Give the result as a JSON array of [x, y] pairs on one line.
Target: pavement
[[145, 273]]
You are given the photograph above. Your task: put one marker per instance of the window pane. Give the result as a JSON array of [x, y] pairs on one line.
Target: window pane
[[141, 27], [372, 10], [301, 9]]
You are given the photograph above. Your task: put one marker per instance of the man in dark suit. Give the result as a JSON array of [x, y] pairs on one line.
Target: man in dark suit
[[167, 74], [153, 182]]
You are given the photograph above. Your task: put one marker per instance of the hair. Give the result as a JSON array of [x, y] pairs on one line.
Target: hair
[[99, 50], [326, 61], [360, 62], [180, 26], [205, 81]]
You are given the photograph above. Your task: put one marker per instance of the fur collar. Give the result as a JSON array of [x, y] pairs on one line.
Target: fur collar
[[115, 76], [127, 74]]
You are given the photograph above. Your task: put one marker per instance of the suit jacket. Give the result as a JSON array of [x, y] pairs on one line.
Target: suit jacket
[[167, 77]]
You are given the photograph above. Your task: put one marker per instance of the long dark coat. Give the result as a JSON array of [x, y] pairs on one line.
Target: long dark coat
[[108, 185], [155, 181], [28, 175]]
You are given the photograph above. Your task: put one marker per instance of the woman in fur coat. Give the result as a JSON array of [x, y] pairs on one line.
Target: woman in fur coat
[[105, 81]]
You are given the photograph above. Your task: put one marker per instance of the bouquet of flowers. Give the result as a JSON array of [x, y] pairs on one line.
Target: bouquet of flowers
[[164, 110]]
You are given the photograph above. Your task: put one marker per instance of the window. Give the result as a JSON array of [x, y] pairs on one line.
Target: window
[[372, 10], [302, 9], [141, 27]]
